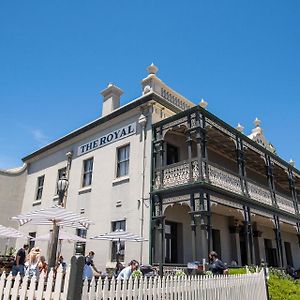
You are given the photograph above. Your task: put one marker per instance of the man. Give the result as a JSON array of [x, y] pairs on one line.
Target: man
[[19, 262], [126, 272], [217, 266]]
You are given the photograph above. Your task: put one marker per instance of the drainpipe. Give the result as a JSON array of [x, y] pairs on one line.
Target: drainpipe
[[142, 122]]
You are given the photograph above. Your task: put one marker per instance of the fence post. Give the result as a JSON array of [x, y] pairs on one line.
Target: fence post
[[264, 266], [75, 279]]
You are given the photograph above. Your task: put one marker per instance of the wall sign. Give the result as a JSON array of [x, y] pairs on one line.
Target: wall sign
[[107, 139]]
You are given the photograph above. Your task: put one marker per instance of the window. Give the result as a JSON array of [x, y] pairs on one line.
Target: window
[[31, 242], [40, 185], [80, 246], [172, 154], [87, 172], [118, 225], [123, 161], [61, 173]]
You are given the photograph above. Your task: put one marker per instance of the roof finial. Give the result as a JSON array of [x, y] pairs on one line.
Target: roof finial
[[257, 122], [152, 69], [292, 163], [239, 127], [203, 103]]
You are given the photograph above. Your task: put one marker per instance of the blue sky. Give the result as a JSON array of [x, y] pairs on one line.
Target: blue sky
[[242, 56]]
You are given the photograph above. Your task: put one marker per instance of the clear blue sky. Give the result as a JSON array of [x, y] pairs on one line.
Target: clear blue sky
[[243, 57]]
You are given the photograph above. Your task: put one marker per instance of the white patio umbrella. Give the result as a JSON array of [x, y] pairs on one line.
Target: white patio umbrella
[[10, 232], [55, 215], [63, 236], [119, 236]]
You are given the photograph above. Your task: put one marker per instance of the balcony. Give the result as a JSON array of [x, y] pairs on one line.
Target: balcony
[[186, 172]]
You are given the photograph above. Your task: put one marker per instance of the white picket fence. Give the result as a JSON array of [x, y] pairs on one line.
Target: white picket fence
[[235, 287], [42, 288]]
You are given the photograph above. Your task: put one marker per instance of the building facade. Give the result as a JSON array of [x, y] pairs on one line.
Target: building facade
[[173, 173]]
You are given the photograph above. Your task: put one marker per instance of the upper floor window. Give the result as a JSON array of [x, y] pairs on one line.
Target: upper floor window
[[87, 172], [40, 186], [118, 248], [61, 173], [123, 161], [172, 154]]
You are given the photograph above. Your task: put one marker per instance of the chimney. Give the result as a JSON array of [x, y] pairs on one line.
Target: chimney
[[111, 99]]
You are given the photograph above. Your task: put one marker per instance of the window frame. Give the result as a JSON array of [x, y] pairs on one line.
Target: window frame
[[118, 175], [83, 185], [114, 244], [39, 188]]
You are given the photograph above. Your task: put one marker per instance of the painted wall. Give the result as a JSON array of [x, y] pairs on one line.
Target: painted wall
[[12, 184]]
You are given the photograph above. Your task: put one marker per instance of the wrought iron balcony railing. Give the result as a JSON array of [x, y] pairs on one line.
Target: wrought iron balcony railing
[[187, 172]]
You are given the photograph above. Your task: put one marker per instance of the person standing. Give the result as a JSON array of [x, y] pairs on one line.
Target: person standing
[[19, 262], [126, 272], [89, 266], [33, 260], [216, 265]]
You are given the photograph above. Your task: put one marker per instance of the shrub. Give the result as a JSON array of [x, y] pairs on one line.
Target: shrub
[[137, 274], [237, 271], [282, 288]]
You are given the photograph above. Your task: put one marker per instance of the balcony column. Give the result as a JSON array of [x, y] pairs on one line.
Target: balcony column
[[248, 234], [298, 232], [278, 240], [159, 220], [258, 244], [292, 184], [202, 217], [234, 230], [201, 146], [189, 141], [159, 158], [193, 227], [270, 178], [240, 155]]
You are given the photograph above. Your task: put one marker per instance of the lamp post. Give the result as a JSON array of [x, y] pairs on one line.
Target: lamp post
[[62, 186]]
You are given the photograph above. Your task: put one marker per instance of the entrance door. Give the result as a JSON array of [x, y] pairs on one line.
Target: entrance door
[[171, 242], [288, 253], [271, 253]]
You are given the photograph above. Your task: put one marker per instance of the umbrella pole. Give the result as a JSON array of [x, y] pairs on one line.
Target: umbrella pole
[[53, 248]]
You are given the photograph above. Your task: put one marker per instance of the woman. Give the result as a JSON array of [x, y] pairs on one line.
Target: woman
[[32, 262], [89, 267], [43, 266], [216, 265]]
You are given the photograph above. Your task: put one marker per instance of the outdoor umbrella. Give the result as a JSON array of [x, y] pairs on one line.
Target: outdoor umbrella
[[55, 216], [10, 232], [63, 236], [119, 236]]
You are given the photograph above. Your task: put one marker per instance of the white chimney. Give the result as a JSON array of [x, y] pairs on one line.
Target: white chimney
[[111, 99]]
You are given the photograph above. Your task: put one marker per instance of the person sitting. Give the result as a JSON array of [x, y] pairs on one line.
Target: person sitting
[[126, 272], [118, 269], [217, 266]]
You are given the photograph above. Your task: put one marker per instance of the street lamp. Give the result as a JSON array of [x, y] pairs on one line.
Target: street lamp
[[62, 186]]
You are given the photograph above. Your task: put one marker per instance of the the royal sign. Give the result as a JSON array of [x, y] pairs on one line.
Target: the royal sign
[[107, 139]]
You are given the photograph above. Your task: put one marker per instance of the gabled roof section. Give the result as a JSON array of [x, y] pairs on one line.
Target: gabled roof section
[[258, 136]]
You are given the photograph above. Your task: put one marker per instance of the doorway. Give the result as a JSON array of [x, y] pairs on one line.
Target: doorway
[[171, 255]]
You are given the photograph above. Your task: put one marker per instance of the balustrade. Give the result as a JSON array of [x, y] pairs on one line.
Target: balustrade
[[259, 194], [284, 203], [179, 174]]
